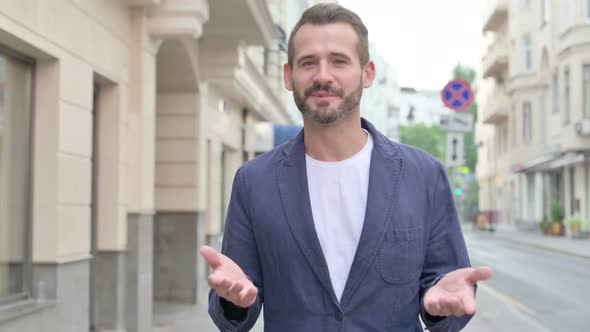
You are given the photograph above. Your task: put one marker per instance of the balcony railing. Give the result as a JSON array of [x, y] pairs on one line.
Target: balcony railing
[[495, 15], [495, 61], [496, 108]]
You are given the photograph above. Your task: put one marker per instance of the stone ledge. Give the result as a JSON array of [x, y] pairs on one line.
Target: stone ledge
[[22, 308]]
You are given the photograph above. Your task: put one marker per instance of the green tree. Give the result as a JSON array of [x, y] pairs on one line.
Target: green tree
[[430, 139]]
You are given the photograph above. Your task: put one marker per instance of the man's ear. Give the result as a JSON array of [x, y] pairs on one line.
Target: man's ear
[[287, 77], [368, 74]]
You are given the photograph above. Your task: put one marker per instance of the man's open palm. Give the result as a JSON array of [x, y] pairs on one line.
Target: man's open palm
[[454, 294], [228, 280]]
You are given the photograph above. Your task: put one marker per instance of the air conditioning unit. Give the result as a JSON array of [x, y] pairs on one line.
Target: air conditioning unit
[[583, 127]]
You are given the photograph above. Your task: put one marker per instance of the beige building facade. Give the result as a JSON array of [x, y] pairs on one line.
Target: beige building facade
[[122, 124], [533, 129]]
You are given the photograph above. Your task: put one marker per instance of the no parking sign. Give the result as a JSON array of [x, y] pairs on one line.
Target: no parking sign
[[457, 95]]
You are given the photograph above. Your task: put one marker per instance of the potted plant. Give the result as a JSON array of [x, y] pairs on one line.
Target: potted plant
[[584, 232], [557, 226], [546, 225], [574, 223]]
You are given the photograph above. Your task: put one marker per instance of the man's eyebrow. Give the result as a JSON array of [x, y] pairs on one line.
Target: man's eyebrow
[[332, 54], [306, 57], [338, 54]]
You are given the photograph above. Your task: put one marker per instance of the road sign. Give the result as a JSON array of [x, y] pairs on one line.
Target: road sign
[[457, 95], [461, 122], [455, 155]]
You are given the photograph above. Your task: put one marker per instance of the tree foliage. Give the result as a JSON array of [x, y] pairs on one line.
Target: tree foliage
[[430, 139]]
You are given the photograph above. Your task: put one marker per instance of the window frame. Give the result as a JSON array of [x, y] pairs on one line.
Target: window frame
[[556, 91], [514, 125], [566, 95], [527, 45], [586, 89], [27, 282], [527, 129], [546, 12]]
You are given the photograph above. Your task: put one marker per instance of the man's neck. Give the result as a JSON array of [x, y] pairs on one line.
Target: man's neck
[[334, 142]]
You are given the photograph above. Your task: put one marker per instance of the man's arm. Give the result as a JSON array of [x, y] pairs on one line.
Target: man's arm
[[446, 251], [232, 291]]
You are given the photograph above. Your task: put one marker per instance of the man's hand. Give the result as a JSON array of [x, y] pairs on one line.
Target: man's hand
[[228, 280], [454, 294]]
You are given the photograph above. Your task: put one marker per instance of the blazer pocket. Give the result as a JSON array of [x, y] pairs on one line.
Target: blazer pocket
[[400, 257]]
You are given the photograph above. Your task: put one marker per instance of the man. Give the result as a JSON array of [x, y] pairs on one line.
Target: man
[[340, 229]]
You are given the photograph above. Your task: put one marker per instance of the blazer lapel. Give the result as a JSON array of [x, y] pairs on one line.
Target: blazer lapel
[[384, 181], [292, 181]]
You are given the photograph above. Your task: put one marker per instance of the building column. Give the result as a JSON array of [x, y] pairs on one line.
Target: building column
[[567, 188], [139, 269], [586, 207], [140, 176], [539, 192]]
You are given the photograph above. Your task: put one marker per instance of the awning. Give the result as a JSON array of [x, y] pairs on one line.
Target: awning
[[567, 159], [537, 164], [551, 162]]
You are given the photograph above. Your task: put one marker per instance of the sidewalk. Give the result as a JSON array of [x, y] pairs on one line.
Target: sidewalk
[[177, 317], [562, 244]]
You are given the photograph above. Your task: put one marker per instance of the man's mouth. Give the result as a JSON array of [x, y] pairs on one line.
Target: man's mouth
[[323, 94]]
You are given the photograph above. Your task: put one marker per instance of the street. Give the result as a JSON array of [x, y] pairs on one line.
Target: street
[[532, 289]]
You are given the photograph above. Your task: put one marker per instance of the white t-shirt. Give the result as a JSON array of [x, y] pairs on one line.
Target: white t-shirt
[[338, 195]]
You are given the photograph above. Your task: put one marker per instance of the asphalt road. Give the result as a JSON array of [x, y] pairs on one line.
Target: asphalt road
[[532, 289]]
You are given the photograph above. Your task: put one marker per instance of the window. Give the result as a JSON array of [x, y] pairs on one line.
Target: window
[[542, 119], [15, 162], [410, 117], [556, 92], [505, 138], [513, 125], [566, 95], [569, 14], [587, 10], [528, 53], [546, 11], [527, 123], [566, 15], [586, 87]]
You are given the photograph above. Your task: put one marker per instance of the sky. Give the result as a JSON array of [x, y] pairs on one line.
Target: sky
[[424, 39]]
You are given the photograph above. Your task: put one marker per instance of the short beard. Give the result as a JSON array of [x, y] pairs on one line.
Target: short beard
[[330, 116]]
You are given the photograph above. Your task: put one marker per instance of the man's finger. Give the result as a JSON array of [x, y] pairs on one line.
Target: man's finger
[[456, 307], [469, 304], [223, 288], [237, 288], [211, 256], [479, 274], [248, 295], [214, 280]]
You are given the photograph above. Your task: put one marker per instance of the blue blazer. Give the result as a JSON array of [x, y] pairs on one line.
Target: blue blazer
[[410, 238]]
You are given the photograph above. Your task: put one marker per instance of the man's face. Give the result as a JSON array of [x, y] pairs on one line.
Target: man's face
[[326, 77]]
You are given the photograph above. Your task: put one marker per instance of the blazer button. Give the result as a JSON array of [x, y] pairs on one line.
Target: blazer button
[[338, 316]]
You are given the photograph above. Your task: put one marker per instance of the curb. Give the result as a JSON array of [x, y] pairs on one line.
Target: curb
[[545, 247], [530, 244]]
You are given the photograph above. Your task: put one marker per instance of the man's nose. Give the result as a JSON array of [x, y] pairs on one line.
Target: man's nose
[[323, 75]]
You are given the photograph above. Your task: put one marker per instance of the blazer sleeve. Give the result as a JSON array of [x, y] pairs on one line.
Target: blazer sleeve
[[239, 244], [446, 250]]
